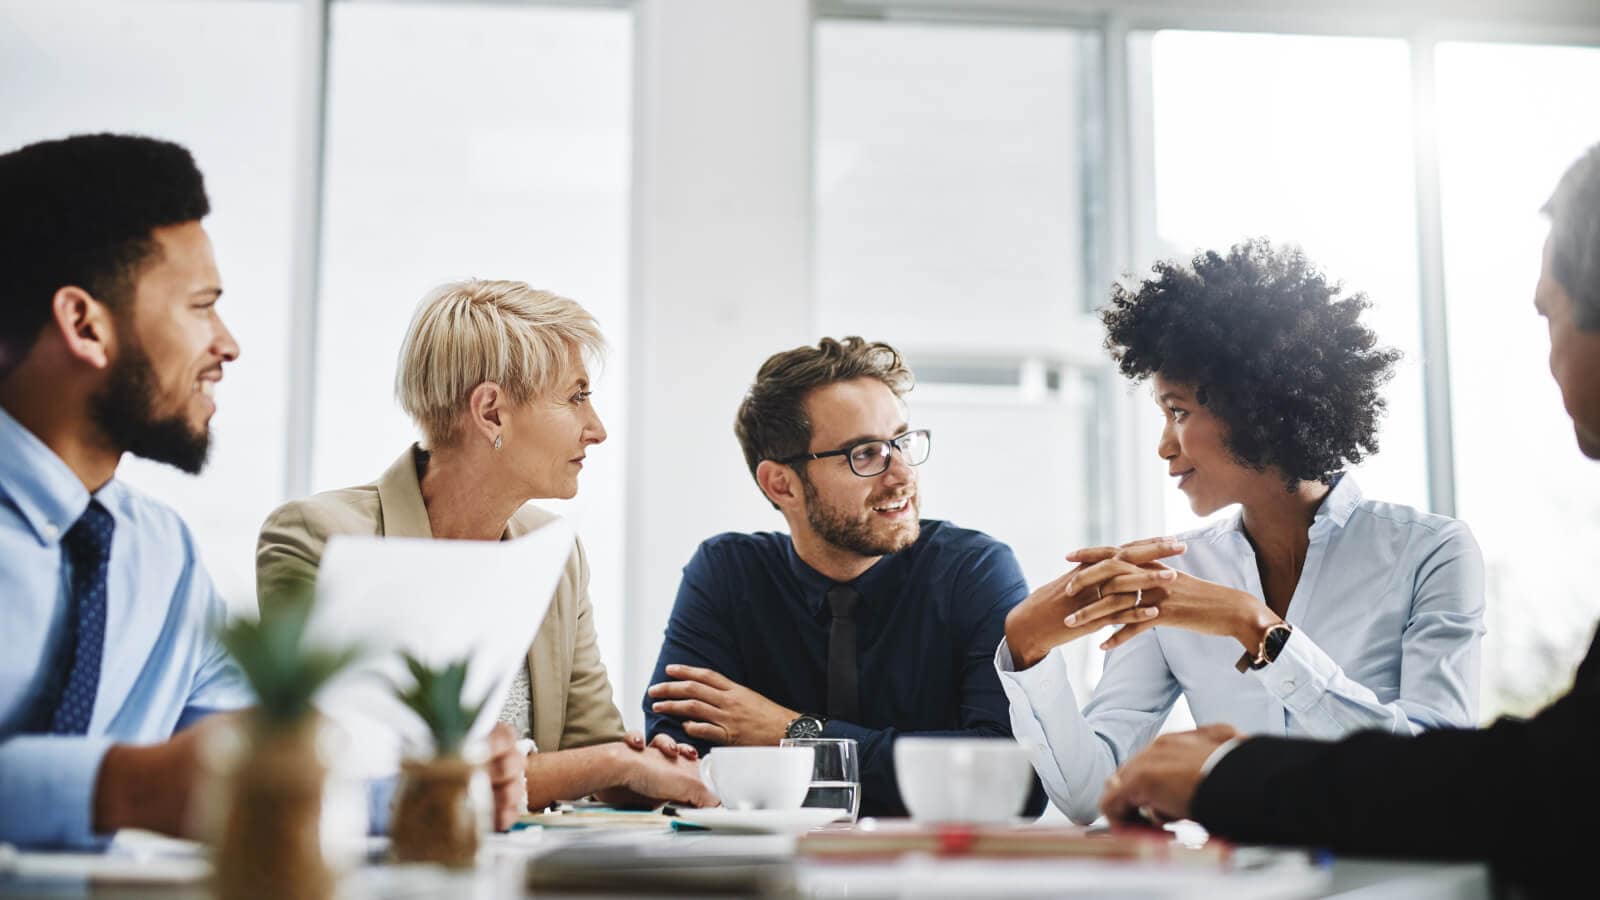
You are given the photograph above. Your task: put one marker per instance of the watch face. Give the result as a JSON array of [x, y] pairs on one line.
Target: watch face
[[804, 727]]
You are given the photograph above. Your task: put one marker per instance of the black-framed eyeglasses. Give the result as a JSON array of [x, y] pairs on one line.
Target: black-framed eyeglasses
[[871, 458]]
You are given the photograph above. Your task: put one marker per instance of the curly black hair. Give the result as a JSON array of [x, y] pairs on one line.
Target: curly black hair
[[1270, 347], [80, 211]]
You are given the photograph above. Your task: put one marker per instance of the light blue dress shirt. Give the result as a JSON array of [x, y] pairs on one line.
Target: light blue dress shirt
[[161, 669], [1387, 616]]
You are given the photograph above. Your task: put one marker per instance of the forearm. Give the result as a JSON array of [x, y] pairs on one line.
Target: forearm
[[570, 774]]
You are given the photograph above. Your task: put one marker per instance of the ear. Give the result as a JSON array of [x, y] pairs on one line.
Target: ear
[[485, 411], [84, 325], [780, 484]]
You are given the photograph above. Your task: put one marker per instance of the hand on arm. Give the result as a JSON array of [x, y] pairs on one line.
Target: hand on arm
[[150, 786], [623, 773], [1158, 784], [719, 710]]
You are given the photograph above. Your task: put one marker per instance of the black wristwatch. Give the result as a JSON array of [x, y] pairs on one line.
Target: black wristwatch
[[805, 725], [1271, 645]]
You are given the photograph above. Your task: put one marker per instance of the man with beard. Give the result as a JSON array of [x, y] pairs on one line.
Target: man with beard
[[863, 622], [110, 342], [1517, 793]]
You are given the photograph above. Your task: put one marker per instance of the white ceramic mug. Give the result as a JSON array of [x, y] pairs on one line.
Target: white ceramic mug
[[962, 779], [758, 777]]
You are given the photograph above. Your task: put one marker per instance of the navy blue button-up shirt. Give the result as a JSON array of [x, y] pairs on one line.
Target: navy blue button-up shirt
[[928, 623]]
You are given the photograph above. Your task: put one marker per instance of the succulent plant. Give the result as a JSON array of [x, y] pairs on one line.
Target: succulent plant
[[435, 696], [284, 673]]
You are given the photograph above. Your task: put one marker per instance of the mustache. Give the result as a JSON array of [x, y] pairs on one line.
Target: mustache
[[891, 498]]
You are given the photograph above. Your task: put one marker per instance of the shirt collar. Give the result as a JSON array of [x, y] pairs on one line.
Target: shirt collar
[[44, 489], [817, 584], [1343, 498]]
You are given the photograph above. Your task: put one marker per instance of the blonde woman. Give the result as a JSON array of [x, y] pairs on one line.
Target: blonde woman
[[495, 375]]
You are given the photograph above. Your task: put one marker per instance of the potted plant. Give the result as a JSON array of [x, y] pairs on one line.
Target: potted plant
[[271, 840], [442, 803]]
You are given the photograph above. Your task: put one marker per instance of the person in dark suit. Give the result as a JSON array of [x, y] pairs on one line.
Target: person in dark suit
[[1519, 793]]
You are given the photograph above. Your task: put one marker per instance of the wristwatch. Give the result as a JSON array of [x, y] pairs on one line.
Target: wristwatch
[[1271, 645], [805, 725]]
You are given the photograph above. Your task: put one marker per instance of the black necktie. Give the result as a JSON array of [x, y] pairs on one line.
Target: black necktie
[[844, 701], [67, 704]]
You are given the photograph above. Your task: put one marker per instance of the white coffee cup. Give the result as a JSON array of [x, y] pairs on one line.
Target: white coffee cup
[[758, 777], [962, 779]]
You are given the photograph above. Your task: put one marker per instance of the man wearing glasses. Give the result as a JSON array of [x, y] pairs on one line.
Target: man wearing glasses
[[863, 622]]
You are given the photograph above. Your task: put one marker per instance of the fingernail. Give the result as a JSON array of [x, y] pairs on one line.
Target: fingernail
[[1072, 619], [1105, 645], [1070, 589], [655, 706], [1149, 612]]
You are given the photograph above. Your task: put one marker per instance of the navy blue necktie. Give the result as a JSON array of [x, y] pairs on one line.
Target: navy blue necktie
[[844, 697], [88, 547]]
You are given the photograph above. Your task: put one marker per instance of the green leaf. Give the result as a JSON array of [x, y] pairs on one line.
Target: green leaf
[[435, 696]]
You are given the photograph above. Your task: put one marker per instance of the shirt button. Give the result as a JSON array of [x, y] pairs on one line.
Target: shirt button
[[1288, 684], [51, 532]]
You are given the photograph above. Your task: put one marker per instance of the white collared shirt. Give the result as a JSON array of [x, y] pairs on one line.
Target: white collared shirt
[[1387, 616]]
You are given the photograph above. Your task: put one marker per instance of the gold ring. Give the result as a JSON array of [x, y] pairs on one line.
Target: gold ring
[[1149, 815]]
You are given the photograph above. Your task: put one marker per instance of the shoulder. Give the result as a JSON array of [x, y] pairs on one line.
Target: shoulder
[[345, 511], [948, 540], [737, 554], [152, 520], [1399, 524]]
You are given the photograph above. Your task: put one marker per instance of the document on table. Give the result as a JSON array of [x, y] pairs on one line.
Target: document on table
[[440, 601]]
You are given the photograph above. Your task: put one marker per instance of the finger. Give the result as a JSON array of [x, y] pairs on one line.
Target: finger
[[684, 690], [1091, 613], [688, 709], [705, 676], [688, 751], [1142, 580], [665, 744], [1092, 554], [1116, 802], [501, 739], [706, 731], [505, 768], [1099, 573], [1142, 553], [635, 740], [1145, 622]]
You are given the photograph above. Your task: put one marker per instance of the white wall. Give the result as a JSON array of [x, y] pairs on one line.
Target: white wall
[[721, 277]]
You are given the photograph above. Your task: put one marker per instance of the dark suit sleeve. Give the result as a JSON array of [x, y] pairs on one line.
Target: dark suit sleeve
[[698, 634], [986, 587], [1518, 794]]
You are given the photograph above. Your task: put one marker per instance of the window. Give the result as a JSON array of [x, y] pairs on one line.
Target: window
[[1508, 127], [951, 222], [1305, 140], [220, 79], [473, 141]]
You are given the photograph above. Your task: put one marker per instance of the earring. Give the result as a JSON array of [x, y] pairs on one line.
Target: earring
[[498, 441]]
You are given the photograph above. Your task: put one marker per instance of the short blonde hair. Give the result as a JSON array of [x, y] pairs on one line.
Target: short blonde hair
[[467, 332]]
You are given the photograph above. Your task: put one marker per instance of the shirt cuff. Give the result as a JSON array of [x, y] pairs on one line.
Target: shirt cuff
[[1217, 754], [47, 788], [1300, 676], [1041, 683]]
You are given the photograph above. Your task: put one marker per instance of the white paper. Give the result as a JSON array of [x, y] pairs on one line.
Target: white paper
[[439, 600]]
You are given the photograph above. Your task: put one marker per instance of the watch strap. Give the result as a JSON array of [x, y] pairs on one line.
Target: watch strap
[[1271, 645]]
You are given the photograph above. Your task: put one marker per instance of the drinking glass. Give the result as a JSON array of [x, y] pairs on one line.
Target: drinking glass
[[835, 774]]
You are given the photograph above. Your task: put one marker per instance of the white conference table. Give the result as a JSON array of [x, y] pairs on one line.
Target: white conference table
[[503, 864]]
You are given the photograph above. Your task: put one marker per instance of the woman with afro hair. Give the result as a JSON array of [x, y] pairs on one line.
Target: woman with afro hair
[[1313, 611]]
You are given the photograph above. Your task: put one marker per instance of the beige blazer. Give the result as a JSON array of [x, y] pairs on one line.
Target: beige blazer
[[571, 695]]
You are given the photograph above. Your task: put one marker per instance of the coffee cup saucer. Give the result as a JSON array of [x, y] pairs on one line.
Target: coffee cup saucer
[[761, 821]]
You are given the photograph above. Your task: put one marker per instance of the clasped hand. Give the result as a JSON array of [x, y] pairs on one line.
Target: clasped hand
[[1130, 587]]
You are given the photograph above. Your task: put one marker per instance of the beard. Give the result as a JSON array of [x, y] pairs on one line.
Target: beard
[[853, 531], [124, 411]]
